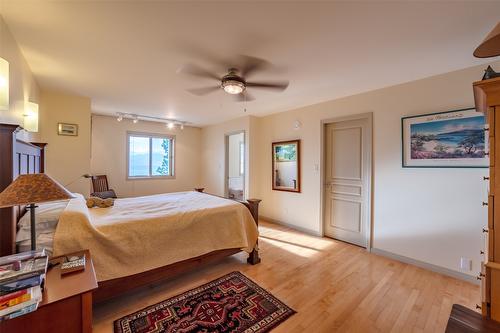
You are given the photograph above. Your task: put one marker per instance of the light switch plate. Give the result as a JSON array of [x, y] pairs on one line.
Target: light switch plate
[[465, 264]]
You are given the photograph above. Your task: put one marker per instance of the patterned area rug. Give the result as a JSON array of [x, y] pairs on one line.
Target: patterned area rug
[[232, 303]]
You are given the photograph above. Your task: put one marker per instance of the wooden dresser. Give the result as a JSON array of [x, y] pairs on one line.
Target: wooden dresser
[[487, 100]]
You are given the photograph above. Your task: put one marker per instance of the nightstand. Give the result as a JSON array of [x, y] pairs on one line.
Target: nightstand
[[66, 304]]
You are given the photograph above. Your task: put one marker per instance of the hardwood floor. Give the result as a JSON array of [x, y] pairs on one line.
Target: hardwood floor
[[334, 287]]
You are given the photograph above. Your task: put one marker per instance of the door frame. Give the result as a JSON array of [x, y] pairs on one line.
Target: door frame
[[226, 162], [369, 221]]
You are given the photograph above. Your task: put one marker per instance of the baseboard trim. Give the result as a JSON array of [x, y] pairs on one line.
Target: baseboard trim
[[291, 226], [425, 265]]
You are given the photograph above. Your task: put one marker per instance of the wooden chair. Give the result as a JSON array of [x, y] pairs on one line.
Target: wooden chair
[[101, 188]]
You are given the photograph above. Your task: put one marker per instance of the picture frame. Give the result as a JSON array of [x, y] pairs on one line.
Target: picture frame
[[67, 129], [450, 139], [286, 166]]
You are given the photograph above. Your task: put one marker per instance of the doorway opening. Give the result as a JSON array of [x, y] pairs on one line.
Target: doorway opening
[[235, 166]]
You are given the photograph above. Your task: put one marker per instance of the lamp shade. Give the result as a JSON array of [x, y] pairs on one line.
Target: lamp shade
[[33, 188], [490, 47]]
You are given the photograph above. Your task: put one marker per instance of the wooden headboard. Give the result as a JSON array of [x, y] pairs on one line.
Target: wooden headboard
[[16, 158]]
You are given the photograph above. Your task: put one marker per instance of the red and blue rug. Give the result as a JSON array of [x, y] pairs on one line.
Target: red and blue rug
[[232, 303]]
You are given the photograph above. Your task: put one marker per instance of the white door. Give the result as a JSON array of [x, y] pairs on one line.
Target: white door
[[235, 166], [347, 177]]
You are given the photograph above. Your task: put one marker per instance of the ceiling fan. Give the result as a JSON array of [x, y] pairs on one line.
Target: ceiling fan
[[234, 81]]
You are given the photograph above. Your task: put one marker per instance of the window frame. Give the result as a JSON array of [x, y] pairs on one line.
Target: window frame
[[150, 136]]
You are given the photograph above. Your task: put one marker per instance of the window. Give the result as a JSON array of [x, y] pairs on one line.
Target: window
[[150, 155]]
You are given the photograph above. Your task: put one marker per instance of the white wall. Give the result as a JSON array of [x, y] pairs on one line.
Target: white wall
[[67, 157], [23, 86], [431, 215], [109, 138], [213, 153]]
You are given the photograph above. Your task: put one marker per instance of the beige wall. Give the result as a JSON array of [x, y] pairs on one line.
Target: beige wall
[[67, 157], [23, 86], [109, 156], [213, 154], [431, 215]]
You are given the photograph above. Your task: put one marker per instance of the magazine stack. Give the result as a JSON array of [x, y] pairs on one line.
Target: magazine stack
[[22, 277]]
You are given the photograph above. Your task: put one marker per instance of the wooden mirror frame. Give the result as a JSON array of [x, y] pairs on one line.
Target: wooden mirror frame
[[296, 142]]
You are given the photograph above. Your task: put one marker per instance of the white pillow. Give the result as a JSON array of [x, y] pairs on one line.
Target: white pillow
[[46, 216]]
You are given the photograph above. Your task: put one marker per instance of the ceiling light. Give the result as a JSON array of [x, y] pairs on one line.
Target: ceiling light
[[120, 117], [233, 87], [136, 120], [170, 125]]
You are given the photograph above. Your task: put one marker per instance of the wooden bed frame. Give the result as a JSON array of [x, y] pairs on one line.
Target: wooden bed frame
[[19, 157], [111, 288]]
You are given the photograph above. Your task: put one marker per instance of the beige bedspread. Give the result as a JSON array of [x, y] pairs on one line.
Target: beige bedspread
[[143, 233]]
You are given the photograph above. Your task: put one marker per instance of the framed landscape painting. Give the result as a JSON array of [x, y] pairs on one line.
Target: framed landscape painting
[[453, 139]]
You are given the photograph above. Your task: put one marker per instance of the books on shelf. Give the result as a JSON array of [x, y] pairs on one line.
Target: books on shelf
[[22, 279], [19, 266], [20, 309], [25, 296]]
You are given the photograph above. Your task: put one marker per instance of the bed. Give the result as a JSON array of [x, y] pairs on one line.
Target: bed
[[139, 241]]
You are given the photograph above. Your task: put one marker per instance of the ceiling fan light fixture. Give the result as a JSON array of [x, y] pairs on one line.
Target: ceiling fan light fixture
[[233, 87]]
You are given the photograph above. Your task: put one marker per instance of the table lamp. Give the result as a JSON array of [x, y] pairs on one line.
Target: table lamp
[[31, 189]]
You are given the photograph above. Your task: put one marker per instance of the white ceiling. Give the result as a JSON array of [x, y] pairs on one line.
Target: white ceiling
[[124, 55]]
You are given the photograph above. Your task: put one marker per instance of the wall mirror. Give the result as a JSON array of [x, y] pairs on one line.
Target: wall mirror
[[286, 166]]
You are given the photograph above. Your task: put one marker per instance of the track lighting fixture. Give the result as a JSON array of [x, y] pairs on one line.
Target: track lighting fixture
[[169, 123]]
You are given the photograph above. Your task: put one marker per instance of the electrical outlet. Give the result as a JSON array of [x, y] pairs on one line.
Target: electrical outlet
[[465, 264]]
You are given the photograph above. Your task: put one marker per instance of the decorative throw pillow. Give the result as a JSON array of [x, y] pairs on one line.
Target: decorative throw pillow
[[101, 203], [104, 194]]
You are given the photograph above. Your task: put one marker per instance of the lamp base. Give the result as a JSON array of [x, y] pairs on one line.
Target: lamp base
[[32, 207]]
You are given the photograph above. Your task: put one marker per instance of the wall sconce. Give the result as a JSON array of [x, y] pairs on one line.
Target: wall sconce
[[30, 117], [4, 85]]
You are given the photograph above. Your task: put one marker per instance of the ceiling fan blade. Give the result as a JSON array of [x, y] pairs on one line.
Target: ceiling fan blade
[[243, 97], [197, 71], [203, 91], [250, 65], [282, 85], [195, 51]]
